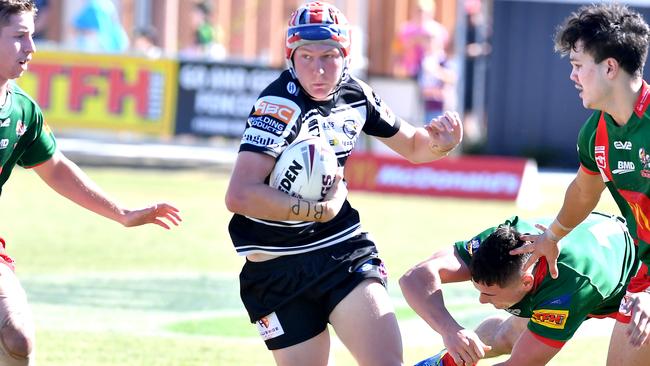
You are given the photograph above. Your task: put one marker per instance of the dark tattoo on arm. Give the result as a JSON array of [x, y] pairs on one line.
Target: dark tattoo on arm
[[300, 205]]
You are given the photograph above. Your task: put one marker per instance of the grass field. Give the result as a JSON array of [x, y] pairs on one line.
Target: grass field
[[105, 295]]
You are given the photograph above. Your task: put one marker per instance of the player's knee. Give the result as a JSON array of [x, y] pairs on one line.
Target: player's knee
[[16, 341], [506, 336], [503, 341]]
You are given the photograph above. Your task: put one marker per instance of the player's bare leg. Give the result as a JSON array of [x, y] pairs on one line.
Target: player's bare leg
[[314, 351], [366, 324], [501, 332], [621, 352], [16, 324]]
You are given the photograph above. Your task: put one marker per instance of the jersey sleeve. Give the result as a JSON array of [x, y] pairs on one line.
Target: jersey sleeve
[[273, 121], [586, 141], [562, 308], [43, 146], [380, 120]]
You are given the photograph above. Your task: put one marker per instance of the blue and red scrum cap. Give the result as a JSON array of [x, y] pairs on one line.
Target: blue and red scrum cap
[[318, 22]]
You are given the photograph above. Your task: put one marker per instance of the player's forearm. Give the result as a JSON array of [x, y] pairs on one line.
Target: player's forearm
[[578, 204], [263, 202], [67, 179], [423, 292]]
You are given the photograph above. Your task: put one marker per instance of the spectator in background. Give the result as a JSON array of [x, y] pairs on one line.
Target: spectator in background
[[145, 42], [476, 51], [98, 28], [207, 38], [414, 39], [436, 79], [41, 20]]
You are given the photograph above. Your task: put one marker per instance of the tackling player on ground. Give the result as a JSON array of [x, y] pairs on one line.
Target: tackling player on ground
[[595, 266]]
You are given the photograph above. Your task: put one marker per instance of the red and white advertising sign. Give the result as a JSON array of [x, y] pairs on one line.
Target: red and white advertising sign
[[482, 177]]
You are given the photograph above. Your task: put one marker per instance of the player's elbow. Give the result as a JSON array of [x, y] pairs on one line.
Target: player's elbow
[[406, 282], [235, 200]]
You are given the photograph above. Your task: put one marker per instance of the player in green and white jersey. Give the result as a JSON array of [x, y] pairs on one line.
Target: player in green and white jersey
[[607, 46], [595, 266], [26, 140]]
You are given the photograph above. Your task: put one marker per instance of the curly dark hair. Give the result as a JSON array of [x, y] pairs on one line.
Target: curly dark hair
[[11, 7], [492, 264], [607, 30]]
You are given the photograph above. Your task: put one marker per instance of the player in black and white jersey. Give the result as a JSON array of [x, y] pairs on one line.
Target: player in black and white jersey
[[309, 263]]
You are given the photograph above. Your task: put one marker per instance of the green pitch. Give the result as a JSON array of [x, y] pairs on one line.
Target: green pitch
[[105, 295]]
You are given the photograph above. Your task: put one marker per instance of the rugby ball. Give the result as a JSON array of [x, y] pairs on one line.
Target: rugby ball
[[305, 169]]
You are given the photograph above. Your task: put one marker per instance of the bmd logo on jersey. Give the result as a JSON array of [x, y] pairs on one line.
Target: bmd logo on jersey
[[278, 111], [555, 319], [624, 167]]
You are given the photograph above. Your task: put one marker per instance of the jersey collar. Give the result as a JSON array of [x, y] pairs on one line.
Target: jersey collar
[[643, 101], [539, 272]]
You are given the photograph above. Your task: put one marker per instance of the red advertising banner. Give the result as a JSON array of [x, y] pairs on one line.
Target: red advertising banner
[[481, 177]]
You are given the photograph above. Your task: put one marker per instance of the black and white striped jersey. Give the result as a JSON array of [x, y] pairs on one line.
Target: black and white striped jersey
[[284, 112]]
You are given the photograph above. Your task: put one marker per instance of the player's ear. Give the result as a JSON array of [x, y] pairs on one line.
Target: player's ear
[[612, 67], [527, 279]]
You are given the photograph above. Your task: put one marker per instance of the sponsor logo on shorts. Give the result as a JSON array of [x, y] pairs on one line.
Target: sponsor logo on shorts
[[5, 123], [625, 306], [269, 327], [278, 111], [555, 319], [4, 143]]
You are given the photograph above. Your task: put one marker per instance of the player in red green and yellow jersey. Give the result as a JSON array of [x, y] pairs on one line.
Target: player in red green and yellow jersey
[[595, 267], [26, 140], [607, 46]]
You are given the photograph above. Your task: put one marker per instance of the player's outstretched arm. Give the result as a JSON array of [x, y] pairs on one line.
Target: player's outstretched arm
[[248, 195], [580, 199], [67, 179], [530, 351], [431, 142], [422, 289]]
